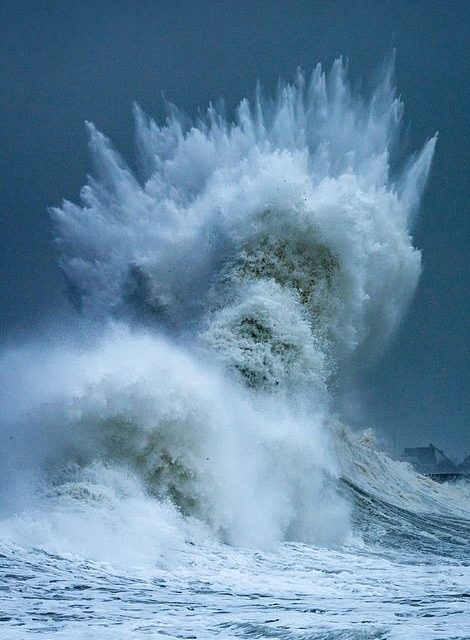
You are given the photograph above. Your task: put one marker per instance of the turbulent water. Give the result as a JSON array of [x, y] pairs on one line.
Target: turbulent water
[[176, 464]]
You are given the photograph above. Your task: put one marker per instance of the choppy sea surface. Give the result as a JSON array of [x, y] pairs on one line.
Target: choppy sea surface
[[403, 576]]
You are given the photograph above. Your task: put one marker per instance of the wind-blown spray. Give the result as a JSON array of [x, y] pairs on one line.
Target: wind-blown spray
[[255, 260]]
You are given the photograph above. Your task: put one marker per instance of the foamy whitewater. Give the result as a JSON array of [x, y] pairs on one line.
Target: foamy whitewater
[[176, 465]]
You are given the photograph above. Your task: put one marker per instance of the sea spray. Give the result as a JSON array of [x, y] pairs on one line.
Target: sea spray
[[255, 469], [257, 261]]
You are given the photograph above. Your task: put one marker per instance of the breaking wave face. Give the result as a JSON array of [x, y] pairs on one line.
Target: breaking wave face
[[254, 264]]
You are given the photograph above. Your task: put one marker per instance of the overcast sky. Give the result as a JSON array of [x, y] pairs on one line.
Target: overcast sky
[[64, 62]]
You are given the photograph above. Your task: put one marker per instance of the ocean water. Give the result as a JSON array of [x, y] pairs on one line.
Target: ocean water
[[176, 464]]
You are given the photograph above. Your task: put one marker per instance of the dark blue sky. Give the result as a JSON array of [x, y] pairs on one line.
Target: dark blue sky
[[64, 62]]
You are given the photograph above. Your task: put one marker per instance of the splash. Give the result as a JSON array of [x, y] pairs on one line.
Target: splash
[[254, 262], [281, 240], [255, 469]]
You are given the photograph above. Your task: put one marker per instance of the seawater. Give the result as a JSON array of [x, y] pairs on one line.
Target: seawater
[[178, 463]]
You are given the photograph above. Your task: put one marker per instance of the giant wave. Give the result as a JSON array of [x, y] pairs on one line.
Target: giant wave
[[231, 283]]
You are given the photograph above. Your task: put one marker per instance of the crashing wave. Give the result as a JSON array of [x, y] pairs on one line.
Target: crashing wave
[[254, 261], [282, 240]]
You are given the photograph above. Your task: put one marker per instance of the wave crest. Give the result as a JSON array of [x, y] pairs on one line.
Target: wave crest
[[263, 256], [295, 201]]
